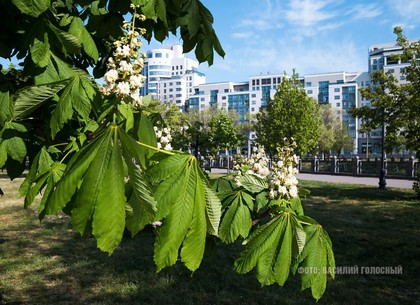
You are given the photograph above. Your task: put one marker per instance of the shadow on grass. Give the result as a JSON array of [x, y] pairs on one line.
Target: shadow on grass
[[356, 192], [51, 264]]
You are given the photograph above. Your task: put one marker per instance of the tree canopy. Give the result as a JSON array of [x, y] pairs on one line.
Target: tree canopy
[[393, 103], [290, 114]]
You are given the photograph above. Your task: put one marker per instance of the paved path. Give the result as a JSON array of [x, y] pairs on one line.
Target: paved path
[[397, 183]]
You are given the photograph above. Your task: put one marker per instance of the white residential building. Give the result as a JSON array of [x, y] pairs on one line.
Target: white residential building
[[173, 77], [341, 91], [170, 75]]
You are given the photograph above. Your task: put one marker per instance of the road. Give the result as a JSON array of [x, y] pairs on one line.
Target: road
[[397, 183]]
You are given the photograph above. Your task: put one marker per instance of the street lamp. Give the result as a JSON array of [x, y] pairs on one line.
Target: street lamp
[[382, 174]]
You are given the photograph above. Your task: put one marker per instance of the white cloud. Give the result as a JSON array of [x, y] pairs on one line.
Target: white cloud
[[365, 11], [260, 23], [244, 35], [266, 16], [309, 13], [281, 56], [408, 9]]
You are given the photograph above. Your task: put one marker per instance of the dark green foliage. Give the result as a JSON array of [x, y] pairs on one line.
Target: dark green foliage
[[395, 104], [290, 114]]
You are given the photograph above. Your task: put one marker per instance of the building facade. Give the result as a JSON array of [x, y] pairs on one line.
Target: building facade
[[170, 76]]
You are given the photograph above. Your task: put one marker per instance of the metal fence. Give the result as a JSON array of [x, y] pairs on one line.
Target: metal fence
[[404, 168], [399, 168]]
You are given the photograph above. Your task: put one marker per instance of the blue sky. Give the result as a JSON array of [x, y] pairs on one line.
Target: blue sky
[[311, 36]]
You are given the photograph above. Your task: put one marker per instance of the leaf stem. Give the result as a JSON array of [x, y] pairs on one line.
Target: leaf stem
[[156, 149]]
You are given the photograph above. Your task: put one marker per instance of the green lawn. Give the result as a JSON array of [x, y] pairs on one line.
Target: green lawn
[[49, 263]]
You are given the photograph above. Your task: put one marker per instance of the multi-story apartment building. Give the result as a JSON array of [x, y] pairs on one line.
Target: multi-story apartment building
[[246, 97], [380, 58], [170, 75], [341, 91]]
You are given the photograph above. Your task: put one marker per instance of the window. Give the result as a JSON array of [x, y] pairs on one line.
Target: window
[[223, 97], [336, 89], [402, 77], [266, 81], [308, 84], [226, 90], [180, 67], [252, 109], [338, 105], [253, 95], [202, 99], [178, 83], [253, 82], [310, 91], [158, 55], [391, 70], [336, 97]]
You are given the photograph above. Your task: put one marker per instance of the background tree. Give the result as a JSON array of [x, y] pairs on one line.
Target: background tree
[[198, 131], [223, 134], [342, 139], [326, 131], [291, 114], [395, 104]]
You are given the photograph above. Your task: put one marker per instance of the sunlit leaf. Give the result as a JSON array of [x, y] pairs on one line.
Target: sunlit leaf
[[78, 29], [316, 260], [236, 219], [40, 51], [109, 211], [270, 249], [32, 8], [30, 98]]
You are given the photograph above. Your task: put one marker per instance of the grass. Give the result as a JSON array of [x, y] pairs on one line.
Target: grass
[[48, 263]]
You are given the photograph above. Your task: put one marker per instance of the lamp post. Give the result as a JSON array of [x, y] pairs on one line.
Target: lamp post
[[382, 174]]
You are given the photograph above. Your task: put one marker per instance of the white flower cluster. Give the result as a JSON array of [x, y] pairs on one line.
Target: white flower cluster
[[283, 181], [124, 78], [256, 165], [164, 138]]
